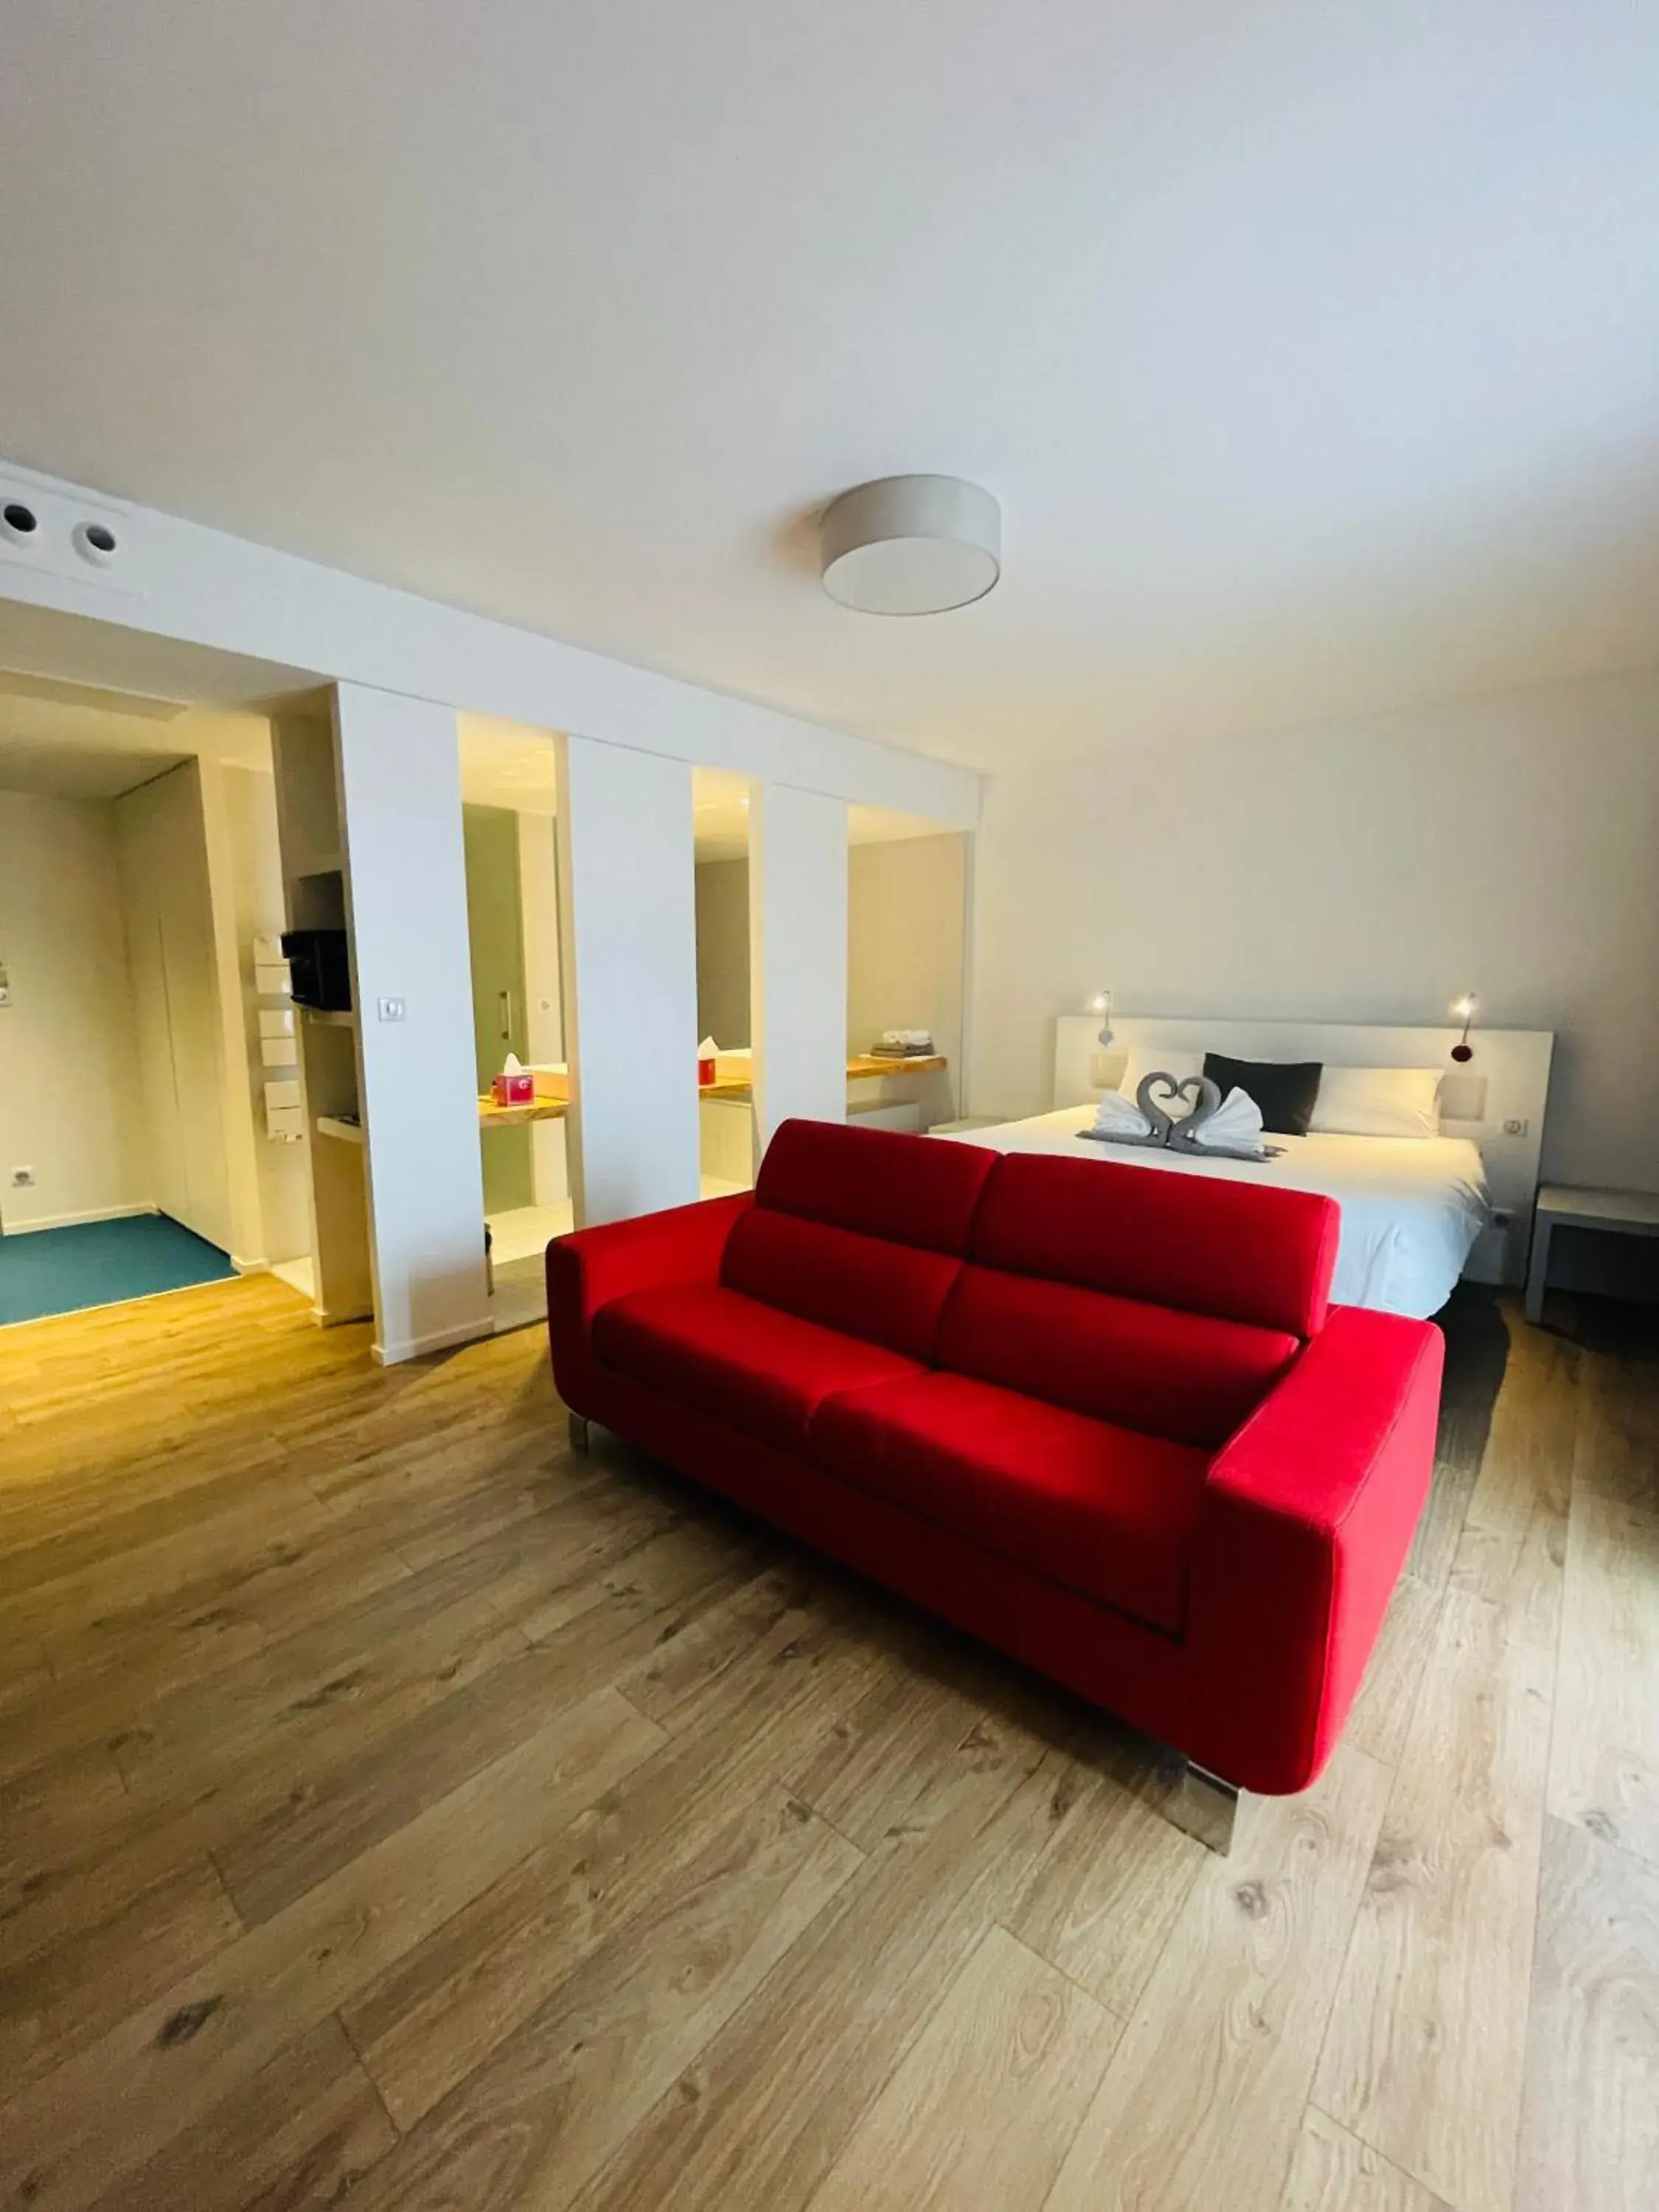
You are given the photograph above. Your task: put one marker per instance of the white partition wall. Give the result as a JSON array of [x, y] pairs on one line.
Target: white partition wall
[[628, 927], [400, 797], [797, 954]]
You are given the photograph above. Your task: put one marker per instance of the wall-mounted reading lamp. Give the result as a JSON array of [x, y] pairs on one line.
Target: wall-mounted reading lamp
[[1465, 1010], [1101, 1004]]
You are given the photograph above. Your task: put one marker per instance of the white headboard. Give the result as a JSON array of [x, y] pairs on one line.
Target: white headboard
[[1506, 1083]]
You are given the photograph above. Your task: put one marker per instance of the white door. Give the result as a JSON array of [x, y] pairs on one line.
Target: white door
[[169, 917], [157, 1085]]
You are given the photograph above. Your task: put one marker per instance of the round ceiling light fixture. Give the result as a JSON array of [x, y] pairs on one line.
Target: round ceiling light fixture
[[911, 546]]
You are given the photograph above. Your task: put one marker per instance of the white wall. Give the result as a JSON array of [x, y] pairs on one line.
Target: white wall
[[798, 955], [1368, 873], [628, 934], [906, 949], [723, 952], [69, 1082], [400, 787], [208, 588], [538, 894], [293, 622]]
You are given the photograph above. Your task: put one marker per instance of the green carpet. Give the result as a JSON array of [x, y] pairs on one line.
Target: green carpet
[[100, 1263]]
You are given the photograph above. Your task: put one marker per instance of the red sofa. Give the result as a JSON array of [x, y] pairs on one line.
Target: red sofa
[[1101, 1416]]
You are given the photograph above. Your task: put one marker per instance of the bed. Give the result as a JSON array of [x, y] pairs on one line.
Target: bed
[[1417, 1212], [1410, 1210]]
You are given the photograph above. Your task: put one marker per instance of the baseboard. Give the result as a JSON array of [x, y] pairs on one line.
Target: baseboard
[[445, 1340], [75, 1220], [249, 1266]]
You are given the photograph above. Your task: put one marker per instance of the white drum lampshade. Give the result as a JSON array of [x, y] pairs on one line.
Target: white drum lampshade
[[911, 546]]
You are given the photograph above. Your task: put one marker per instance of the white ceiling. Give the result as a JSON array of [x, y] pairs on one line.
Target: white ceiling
[[66, 769], [64, 741], [73, 741], [38, 642], [1312, 349]]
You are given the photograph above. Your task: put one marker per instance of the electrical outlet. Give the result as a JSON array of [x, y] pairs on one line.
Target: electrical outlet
[[1515, 1128], [22, 1178], [393, 1010]]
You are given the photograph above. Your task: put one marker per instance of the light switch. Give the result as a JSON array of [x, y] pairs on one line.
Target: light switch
[[392, 1010]]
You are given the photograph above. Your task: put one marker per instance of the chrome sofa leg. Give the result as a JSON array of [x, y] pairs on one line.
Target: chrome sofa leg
[[1199, 1803], [581, 1436]]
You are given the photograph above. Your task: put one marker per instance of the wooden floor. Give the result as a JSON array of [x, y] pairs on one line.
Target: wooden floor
[[394, 1807]]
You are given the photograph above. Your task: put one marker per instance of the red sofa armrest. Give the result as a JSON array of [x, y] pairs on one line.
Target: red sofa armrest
[[1306, 1518], [588, 1268]]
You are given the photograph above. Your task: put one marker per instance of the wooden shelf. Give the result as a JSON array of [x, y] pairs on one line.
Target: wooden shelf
[[864, 1067], [492, 1116], [870, 1066], [331, 1125], [336, 1019]]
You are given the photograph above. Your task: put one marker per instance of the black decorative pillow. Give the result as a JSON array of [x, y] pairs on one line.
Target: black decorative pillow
[[1285, 1090]]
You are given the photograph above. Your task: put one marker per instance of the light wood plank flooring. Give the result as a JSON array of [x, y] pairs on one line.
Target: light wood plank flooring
[[396, 1808]]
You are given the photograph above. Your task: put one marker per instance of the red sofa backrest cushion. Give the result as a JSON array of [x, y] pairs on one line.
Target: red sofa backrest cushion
[[908, 1190], [862, 1230], [889, 1294], [1201, 1244], [1189, 1377], [1165, 1303]]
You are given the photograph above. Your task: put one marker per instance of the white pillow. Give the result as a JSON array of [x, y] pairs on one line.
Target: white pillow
[[1146, 1060], [1377, 1102]]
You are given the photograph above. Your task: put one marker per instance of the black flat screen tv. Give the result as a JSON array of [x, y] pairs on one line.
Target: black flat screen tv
[[320, 970]]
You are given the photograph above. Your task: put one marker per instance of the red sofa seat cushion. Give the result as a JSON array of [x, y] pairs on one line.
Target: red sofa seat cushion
[[1202, 1243], [1183, 1375], [1097, 1508], [765, 1372]]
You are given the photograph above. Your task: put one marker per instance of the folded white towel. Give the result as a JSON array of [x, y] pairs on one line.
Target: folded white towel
[[914, 1037], [1118, 1116], [1235, 1124]]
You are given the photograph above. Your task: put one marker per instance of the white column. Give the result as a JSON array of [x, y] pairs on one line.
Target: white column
[[797, 954], [400, 806], [628, 937]]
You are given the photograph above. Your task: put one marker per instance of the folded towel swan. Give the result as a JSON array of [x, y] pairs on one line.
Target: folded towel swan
[[1229, 1128]]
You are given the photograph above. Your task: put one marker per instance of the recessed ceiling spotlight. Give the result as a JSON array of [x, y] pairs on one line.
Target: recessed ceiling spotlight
[[911, 546]]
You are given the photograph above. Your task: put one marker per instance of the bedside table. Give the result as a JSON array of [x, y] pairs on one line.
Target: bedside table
[[1621, 1212]]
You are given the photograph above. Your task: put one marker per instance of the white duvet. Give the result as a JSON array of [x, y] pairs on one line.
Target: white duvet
[[1412, 1206]]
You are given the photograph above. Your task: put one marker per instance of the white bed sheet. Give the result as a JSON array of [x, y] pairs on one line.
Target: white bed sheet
[[1412, 1206]]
